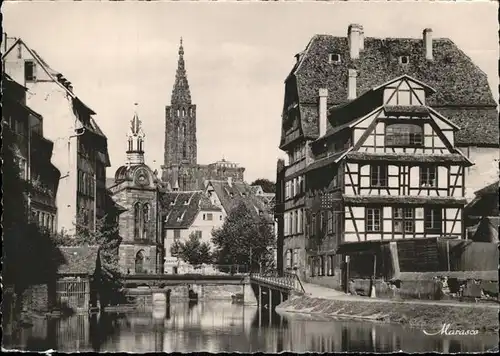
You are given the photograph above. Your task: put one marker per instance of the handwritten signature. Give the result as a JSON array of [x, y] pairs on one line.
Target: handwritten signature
[[445, 330]]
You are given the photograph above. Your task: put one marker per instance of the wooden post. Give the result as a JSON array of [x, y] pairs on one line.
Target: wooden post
[[260, 296], [372, 291], [346, 266], [448, 253], [270, 305], [374, 265]]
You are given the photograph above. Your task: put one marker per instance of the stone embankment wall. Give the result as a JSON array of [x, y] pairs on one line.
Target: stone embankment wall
[[419, 315]]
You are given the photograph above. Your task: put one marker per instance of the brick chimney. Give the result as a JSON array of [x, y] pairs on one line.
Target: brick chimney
[[355, 35], [351, 84], [428, 43], [323, 117], [362, 39], [7, 41]]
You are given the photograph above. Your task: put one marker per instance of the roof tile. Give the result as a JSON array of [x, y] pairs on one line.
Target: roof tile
[[458, 81]]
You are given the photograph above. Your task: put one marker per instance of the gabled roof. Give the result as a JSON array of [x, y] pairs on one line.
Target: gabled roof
[[79, 260], [54, 75], [461, 87], [231, 194], [181, 208], [429, 89]]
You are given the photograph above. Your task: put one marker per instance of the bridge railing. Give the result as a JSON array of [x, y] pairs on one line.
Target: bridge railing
[[287, 280], [212, 269]]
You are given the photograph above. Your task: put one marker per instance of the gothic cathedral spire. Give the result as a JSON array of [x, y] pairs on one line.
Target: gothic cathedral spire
[[180, 155], [181, 93], [135, 152]]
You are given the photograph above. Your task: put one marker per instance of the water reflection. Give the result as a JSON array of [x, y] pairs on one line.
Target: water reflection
[[222, 326]]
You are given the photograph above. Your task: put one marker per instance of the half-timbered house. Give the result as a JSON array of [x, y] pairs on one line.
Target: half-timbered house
[[349, 135], [396, 175]]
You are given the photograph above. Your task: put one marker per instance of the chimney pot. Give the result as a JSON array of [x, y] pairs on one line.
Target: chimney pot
[[427, 37], [355, 36], [323, 110], [351, 84]]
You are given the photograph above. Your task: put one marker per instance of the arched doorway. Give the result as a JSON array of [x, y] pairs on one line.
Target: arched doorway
[[139, 262]]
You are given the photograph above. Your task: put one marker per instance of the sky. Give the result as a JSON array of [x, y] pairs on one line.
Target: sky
[[237, 58]]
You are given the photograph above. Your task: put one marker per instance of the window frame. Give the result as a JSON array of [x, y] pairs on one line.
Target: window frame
[[334, 58], [403, 219], [404, 57], [369, 216], [382, 172], [403, 139], [428, 211], [425, 174], [33, 70]]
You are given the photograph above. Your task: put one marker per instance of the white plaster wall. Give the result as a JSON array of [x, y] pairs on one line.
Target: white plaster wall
[[53, 103]]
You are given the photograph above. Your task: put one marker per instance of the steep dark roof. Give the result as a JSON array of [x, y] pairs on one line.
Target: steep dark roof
[[230, 195], [459, 83], [79, 260], [487, 231], [488, 190], [206, 204], [181, 208], [485, 203]]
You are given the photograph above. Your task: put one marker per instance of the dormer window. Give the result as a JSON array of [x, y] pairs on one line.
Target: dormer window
[[334, 58], [404, 59]]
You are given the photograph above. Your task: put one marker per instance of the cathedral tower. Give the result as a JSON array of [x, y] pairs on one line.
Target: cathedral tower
[[180, 120], [180, 154]]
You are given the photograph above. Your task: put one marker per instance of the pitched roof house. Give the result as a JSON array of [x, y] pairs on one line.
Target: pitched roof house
[[186, 213], [337, 70], [228, 194], [70, 124], [462, 89]]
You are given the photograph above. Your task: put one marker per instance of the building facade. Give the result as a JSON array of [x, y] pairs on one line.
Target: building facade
[[79, 146], [337, 78], [181, 169], [34, 154], [135, 188], [186, 213]]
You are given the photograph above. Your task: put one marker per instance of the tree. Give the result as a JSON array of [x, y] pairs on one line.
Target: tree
[[245, 238], [193, 251], [267, 185]]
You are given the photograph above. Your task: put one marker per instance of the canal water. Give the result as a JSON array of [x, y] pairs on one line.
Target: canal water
[[219, 326]]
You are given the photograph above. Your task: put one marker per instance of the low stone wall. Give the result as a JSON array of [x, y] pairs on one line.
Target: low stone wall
[[419, 315]]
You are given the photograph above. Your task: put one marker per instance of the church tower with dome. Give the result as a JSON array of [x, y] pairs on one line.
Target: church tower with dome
[[136, 189]]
